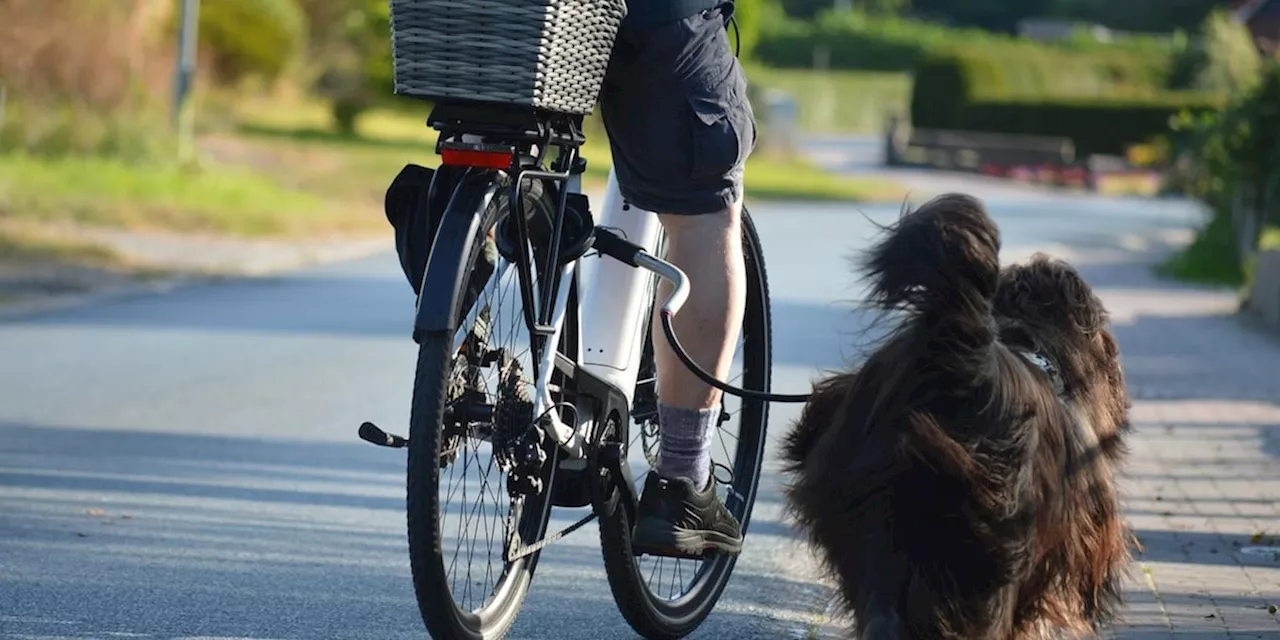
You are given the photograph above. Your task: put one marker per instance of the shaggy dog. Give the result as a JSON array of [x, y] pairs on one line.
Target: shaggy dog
[[960, 484]]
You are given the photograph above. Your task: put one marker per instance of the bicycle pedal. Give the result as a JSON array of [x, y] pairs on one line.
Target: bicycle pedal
[[370, 433]]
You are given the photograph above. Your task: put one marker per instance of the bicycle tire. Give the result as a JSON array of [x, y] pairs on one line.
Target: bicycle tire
[[440, 612], [649, 615]]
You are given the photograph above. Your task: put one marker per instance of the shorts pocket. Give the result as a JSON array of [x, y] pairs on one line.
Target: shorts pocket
[[724, 129]]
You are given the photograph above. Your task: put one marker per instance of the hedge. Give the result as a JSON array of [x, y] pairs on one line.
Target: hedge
[[1102, 100], [888, 43], [953, 78], [791, 45], [1096, 126]]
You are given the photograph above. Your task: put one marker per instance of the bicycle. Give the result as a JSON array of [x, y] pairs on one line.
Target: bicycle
[[557, 417]]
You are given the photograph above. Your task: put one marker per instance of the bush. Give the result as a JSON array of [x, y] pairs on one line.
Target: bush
[[83, 79], [62, 129], [1096, 126], [1224, 153], [1238, 146], [1212, 257], [248, 38], [1222, 58], [95, 53]]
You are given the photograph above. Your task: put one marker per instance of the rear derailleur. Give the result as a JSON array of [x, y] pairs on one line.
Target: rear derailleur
[[518, 440]]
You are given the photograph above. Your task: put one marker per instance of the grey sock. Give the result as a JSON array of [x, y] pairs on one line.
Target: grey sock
[[685, 450]]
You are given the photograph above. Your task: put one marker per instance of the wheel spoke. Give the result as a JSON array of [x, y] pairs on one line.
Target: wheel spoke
[[448, 543], [662, 596]]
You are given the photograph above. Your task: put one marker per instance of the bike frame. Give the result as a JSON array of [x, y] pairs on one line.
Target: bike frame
[[615, 298]]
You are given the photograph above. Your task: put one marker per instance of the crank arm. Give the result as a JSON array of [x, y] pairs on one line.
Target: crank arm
[[612, 459]]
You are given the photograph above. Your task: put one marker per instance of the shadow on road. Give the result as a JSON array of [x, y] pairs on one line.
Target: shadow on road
[[1199, 547], [228, 520], [195, 466]]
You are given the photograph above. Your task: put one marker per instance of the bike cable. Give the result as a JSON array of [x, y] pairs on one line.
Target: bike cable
[[746, 394]]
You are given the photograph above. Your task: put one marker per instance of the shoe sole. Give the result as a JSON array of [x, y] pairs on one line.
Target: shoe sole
[[657, 538]]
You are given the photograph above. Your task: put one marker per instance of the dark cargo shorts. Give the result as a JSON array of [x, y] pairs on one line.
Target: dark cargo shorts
[[674, 103]]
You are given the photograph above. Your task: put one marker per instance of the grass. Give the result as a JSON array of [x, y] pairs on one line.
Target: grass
[[217, 199], [774, 179], [1212, 259], [835, 101], [388, 139], [271, 168], [27, 245]]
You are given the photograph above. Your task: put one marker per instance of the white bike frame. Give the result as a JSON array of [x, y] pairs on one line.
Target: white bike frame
[[614, 304]]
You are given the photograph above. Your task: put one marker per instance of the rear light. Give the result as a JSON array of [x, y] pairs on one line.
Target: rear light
[[479, 156]]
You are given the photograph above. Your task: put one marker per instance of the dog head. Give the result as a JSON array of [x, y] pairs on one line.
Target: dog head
[[1046, 306]]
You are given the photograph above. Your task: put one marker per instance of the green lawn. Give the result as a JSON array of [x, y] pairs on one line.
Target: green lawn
[[388, 139], [835, 101], [270, 168], [215, 199]]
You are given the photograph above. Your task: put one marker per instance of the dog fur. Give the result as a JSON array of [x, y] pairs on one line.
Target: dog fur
[[954, 488]]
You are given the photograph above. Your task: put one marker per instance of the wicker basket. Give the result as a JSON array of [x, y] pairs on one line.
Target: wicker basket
[[547, 54]]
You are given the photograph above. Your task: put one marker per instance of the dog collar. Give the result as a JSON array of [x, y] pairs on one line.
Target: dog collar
[[1043, 363]]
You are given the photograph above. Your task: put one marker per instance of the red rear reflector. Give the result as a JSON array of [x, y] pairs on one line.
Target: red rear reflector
[[472, 158]]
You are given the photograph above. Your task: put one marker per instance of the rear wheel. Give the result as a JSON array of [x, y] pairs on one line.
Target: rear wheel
[[469, 405], [670, 597]]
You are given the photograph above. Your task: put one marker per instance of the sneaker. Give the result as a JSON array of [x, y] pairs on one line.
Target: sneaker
[[675, 520]]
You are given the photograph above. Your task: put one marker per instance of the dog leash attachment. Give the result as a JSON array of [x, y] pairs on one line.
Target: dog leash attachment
[[1043, 363]]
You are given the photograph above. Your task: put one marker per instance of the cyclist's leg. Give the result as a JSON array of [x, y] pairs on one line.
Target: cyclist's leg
[[681, 128]]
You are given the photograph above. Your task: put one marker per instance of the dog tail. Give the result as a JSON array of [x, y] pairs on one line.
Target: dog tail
[[941, 263]]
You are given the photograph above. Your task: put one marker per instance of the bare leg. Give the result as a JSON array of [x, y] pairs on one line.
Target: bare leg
[[708, 248]]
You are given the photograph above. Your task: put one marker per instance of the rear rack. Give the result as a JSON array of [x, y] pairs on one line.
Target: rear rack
[[508, 124]]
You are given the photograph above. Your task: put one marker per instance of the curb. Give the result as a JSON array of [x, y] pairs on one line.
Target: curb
[[40, 304], [60, 302]]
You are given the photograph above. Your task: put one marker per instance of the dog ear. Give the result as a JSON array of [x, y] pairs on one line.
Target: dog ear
[[1045, 292], [1086, 310]]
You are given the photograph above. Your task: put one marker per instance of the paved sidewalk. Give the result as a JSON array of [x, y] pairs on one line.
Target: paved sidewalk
[[1204, 478]]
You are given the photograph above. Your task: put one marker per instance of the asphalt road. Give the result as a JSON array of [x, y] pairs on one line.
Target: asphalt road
[[184, 465]]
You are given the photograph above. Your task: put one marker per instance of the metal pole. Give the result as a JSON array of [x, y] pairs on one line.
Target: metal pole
[[188, 38]]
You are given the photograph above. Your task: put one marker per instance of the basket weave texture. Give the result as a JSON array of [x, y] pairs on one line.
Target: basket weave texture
[[547, 54]]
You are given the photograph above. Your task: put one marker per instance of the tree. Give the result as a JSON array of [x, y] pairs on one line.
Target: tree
[[359, 70], [251, 37], [750, 17], [1140, 15], [995, 15], [808, 9]]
